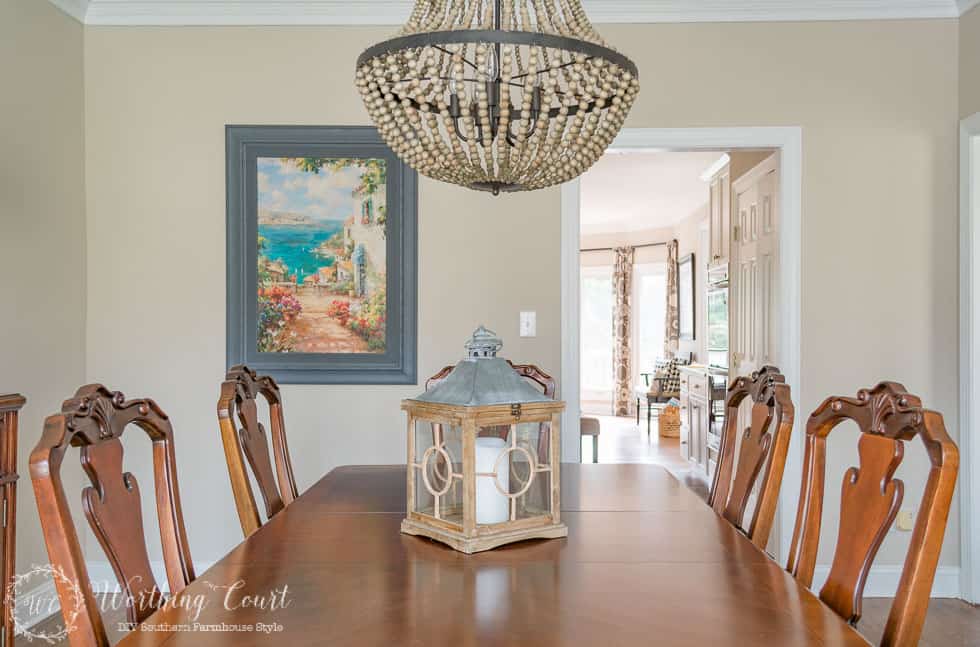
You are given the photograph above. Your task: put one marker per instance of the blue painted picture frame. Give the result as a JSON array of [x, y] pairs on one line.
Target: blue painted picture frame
[[322, 255]]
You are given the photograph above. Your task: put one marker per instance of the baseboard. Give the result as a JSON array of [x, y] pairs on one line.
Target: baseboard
[[883, 581]]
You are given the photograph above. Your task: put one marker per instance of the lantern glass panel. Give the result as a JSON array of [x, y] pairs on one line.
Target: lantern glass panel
[[513, 473], [439, 471]]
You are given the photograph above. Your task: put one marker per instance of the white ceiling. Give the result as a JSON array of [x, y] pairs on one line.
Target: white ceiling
[[394, 12], [637, 191]]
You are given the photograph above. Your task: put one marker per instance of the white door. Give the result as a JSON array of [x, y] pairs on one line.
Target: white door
[[754, 258], [755, 255]]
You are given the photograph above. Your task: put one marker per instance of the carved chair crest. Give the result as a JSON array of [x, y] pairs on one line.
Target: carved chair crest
[[249, 441], [888, 417], [762, 449], [94, 421]]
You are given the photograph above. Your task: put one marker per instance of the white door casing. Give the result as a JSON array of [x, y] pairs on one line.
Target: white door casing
[[789, 142], [969, 433]]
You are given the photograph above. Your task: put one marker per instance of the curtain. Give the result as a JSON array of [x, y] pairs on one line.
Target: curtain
[[623, 399], [671, 322]]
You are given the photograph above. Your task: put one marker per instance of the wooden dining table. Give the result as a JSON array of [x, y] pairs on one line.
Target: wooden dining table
[[646, 562]]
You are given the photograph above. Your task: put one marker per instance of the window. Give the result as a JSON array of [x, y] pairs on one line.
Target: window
[[649, 309], [597, 335]]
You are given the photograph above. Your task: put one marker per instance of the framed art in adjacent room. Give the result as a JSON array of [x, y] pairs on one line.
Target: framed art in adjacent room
[[321, 255], [685, 297]]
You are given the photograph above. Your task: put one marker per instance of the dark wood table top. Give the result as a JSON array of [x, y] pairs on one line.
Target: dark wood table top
[[646, 562]]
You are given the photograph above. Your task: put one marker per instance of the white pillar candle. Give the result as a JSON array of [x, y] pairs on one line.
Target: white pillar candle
[[491, 505]]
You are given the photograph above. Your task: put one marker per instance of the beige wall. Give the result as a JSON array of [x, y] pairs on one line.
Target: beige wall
[[744, 161], [879, 270], [879, 238], [159, 100], [42, 228], [970, 62]]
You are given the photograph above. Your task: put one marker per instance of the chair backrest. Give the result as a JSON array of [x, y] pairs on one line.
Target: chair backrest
[[762, 449], [547, 384], [887, 417], [94, 420], [248, 441]]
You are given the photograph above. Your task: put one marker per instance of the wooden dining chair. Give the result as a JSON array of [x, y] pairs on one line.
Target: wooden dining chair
[[10, 406], [547, 384], [762, 449], [249, 442], [887, 417], [94, 421]]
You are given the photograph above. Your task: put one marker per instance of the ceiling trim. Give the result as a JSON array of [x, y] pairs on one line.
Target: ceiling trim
[[966, 5], [74, 8], [395, 12]]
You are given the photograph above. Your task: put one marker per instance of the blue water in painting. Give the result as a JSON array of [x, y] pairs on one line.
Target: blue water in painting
[[295, 245]]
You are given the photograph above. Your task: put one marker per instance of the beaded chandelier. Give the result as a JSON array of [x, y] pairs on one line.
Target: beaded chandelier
[[498, 95]]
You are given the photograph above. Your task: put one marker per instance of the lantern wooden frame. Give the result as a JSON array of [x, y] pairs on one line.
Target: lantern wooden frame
[[470, 537]]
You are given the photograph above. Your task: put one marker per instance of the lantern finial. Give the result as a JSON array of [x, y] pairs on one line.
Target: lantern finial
[[483, 343]]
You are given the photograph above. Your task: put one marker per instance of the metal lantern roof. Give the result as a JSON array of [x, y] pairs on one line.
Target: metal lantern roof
[[482, 378]]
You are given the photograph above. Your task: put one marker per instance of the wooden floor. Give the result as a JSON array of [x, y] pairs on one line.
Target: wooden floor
[[622, 441], [950, 623]]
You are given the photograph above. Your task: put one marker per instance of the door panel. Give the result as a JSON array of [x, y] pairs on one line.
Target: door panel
[[755, 260]]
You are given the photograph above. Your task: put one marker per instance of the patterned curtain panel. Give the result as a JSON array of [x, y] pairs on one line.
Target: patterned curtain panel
[[672, 332], [623, 399]]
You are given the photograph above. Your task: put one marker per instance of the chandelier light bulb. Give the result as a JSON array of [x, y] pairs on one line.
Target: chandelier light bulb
[[498, 95]]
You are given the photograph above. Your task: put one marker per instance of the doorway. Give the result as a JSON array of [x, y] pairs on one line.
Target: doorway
[[788, 142], [634, 204]]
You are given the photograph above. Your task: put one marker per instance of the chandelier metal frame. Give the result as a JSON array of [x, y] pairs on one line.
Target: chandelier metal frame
[[414, 86]]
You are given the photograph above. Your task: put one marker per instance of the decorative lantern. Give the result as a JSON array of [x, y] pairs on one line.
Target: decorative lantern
[[484, 453]]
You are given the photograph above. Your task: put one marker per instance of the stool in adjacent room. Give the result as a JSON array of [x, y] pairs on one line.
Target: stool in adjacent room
[[590, 427]]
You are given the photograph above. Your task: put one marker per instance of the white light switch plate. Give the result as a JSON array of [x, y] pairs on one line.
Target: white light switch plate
[[905, 520], [529, 324]]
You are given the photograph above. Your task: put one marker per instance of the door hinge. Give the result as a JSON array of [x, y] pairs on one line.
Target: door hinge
[[735, 232]]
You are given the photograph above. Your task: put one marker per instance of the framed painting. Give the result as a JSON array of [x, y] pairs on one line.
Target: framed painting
[[321, 255], [685, 297]]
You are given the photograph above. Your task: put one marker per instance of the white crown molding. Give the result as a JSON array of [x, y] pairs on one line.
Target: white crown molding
[[395, 12], [966, 5], [74, 8], [248, 12]]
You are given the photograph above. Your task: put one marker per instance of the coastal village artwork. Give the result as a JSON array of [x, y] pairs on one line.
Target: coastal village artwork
[[321, 255]]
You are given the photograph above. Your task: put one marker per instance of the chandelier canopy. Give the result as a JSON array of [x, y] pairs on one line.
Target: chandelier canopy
[[498, 95]]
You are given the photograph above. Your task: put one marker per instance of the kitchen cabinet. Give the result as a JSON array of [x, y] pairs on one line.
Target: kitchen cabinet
[[720, 221], [700, 429]]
